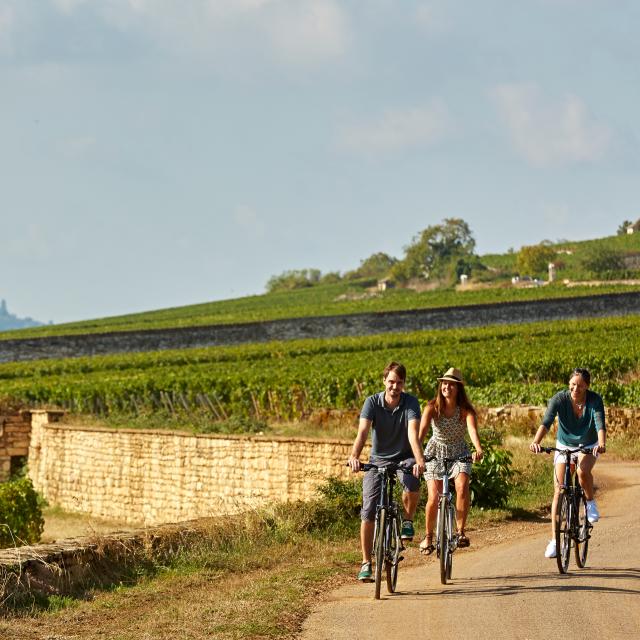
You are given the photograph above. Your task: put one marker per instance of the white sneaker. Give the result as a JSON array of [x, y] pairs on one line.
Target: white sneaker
[[593, 515], [550, 551]]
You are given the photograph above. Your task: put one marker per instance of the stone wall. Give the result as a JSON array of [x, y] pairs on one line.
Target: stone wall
[[150, 477], [14, 441], [358, 324]]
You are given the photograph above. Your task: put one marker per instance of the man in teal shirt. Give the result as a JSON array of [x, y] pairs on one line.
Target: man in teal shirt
[[580, 413]]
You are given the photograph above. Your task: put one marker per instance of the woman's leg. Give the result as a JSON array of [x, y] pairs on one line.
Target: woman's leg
[[431, 508], [558, 477], [463, 500], [585, 467]]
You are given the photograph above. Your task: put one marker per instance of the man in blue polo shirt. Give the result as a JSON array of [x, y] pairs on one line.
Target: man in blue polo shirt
[[394, 418]]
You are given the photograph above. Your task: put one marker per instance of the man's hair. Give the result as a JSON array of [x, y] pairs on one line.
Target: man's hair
[[397, 368], [586, 376]]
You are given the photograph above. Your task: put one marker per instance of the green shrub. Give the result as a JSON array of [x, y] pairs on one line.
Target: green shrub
[[21, 520], [492, 478]]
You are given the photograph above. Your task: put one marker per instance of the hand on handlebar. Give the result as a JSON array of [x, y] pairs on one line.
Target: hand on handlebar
[[477, 455], [535, 447], [418, 469], [354, 463]]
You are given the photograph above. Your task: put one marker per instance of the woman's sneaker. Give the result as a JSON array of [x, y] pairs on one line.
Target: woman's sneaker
[[593, 515], [550, 551], [365, 575]]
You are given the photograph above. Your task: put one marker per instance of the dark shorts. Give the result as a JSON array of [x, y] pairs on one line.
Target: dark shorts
[[372, 484]]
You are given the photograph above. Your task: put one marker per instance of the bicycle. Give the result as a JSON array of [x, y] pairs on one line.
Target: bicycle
[[446, 536], [387, 543], [572, 527]]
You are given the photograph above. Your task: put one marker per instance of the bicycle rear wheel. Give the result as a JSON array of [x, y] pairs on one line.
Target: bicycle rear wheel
[[443, 540], [563, 532], [393, 554], [378, 548], [581, 541]]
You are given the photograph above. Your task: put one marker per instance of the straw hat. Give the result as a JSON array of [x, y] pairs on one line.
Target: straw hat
[[453, 375]]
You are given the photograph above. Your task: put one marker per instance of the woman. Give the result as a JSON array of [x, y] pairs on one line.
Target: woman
[[450, 415], [580, 414]]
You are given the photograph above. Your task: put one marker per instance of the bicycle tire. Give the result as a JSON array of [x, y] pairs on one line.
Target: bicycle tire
[[563, 532], [583, 530], [379, 549], [393, 556], [450, 526], [443, 540]]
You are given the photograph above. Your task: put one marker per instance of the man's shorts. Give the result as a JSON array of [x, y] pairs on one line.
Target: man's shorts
[[372, 484], [558, 458]]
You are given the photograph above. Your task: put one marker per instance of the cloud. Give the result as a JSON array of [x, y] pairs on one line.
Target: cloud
[[247, 219], [550, 134], [7, 19], [78, 147], [291, 31], [398, 129]]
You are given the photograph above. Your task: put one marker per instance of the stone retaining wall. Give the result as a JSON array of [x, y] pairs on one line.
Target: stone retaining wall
[[15, 430], [150, 477], [357, 324]]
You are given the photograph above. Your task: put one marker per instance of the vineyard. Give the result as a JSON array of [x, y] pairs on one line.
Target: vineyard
[[290, 380], [336, 299]]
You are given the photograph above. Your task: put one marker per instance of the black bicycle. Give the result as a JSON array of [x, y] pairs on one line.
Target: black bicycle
[[446, 536], [387, 543], [571, 524]]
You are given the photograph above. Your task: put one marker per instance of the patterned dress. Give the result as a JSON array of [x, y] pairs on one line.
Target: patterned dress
[[447, 441]]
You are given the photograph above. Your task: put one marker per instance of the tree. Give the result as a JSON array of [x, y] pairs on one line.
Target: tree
[[605, 263], [622, 229], [534, 259], [377, 265], [433, 250], [294, 279]]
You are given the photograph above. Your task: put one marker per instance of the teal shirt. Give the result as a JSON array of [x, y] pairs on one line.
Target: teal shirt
[[574, 431]]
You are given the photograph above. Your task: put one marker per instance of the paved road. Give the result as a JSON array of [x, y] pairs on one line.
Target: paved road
[[508, 589]]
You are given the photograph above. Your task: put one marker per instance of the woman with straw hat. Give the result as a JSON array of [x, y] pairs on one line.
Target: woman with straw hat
[[450, 415]]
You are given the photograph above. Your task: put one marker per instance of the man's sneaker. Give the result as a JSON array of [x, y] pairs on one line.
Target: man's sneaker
[[365, 575], [593, 515], [550, 551], [407, 532]]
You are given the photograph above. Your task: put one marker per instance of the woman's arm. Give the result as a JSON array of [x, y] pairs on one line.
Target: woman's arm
[[472, 428], [425, 421]]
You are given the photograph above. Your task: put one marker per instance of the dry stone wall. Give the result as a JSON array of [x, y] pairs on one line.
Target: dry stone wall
[[14, 441], [151, 477]]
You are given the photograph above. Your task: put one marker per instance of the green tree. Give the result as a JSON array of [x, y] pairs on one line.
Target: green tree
[[433, 250], [294, 279], [622, 229], [601, 262], [535, 259], [377, 265]]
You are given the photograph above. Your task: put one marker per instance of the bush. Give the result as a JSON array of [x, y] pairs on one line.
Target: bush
[[21, 520], [492, 477]]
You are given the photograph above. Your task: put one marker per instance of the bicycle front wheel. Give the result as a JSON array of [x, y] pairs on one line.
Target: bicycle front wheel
[[378, 547], [450, 529], [393, 554], [443, 540], [581, 541], [563, 532]]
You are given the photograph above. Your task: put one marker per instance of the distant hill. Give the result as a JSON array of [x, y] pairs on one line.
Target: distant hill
[[10, 321]]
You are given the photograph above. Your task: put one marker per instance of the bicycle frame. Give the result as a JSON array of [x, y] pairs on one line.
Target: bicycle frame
[[571, 525], [387, 541], [446, 538]]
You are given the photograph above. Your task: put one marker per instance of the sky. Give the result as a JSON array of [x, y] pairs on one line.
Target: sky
[[156, 153]]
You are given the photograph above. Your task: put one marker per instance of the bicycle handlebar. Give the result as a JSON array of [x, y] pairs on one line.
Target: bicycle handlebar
[[447, 460], [392, 466], [580, 449]]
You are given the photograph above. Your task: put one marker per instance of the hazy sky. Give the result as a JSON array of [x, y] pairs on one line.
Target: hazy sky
[[157, 153]]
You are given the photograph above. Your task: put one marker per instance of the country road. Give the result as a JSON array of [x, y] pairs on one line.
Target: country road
[[508, 589]]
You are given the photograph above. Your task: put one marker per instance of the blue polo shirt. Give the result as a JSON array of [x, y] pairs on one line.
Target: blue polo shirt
[[390, 427], [574, 431]]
